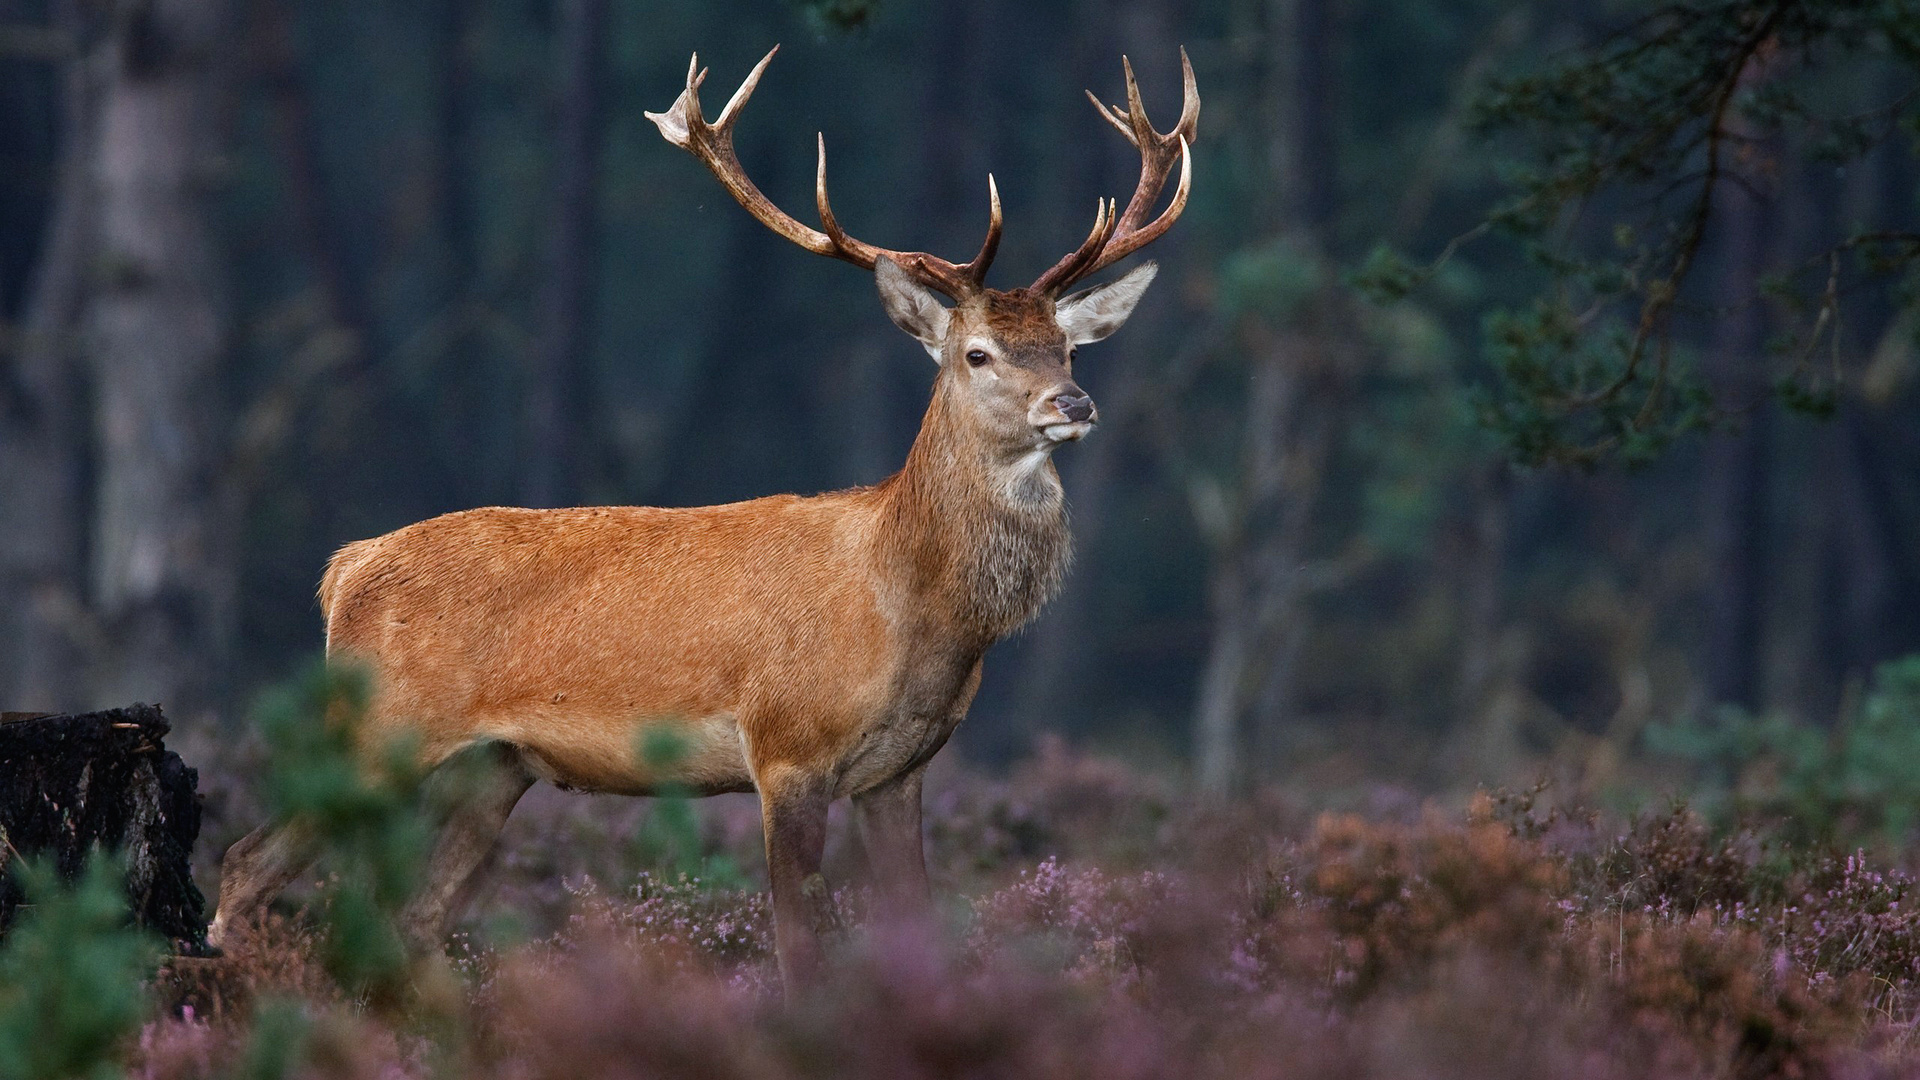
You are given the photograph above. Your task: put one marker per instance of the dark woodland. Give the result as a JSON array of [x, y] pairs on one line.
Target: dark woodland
[[389, 261]]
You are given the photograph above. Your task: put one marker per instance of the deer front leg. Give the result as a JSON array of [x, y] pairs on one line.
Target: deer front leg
[[888, 817], [793, 812]]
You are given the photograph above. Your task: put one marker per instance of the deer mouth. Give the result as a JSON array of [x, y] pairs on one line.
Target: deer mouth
[[1066, 431]]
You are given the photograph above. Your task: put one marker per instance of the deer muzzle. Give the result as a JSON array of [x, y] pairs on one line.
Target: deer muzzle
[[1066, 415]]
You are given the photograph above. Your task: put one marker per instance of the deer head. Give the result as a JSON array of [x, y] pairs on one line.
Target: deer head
[[1006, 357]]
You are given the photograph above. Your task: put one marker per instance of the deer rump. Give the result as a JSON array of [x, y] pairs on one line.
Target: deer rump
[[751, 631]]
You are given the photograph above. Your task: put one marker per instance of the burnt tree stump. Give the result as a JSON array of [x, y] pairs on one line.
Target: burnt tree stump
[[70, 785]]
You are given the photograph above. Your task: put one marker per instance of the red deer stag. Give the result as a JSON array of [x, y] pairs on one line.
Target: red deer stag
[[803, 648]]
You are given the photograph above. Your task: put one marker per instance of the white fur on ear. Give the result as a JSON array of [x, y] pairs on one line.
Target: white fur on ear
[[1092, 314], [911, 305]]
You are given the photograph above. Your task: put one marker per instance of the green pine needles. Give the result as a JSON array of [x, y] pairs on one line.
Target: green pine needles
[[1623, 160]]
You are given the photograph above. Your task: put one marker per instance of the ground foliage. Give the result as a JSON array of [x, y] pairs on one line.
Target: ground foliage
[[374, 823], [1513, 937], [1507, 940]]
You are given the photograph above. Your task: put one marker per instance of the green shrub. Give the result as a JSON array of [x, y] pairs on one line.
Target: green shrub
[[1857, 783], [74, 975], [278, 1043], [368, 813]]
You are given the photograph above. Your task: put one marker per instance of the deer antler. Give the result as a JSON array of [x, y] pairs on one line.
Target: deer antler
[[685, 127], [1114, 238]]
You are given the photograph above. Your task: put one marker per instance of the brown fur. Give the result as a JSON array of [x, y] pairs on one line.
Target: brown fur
[[808, 648], [806, 623]]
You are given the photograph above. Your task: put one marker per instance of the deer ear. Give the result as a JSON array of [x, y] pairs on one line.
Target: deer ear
[[1092, 314], [911, 305]]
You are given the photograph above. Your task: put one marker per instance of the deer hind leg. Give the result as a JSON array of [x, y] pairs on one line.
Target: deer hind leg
[[254, 871], [888, 818], [476, 792], [793, 811]]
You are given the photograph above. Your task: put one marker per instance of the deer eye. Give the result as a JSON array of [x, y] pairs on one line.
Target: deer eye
[[1072, 353], [976, 357]]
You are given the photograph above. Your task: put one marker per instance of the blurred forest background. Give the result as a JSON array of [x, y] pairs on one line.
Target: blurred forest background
[[280, 274]]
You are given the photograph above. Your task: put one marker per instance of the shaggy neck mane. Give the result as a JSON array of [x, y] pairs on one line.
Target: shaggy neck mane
[[982, 539]]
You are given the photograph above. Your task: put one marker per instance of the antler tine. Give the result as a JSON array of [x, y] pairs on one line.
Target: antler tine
[[683, 116], [1130, 240], [729, 114], [1189, 99], [1112, 115], [1136, 111], [976, 268], [862, 254], [820, 200], [956, 280], [1126, 231], [1073, 267], [684, 126]]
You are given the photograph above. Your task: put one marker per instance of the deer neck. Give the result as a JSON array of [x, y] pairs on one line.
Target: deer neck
[[974, 535]]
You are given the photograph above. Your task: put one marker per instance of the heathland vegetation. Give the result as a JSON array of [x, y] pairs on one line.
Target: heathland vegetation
[[1095, 920]]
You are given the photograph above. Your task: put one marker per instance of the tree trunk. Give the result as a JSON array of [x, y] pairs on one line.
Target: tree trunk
[[43, 615], [487, 472], [736, 426], [558, 405], [1256, 597], [1883, 610], [163, 563], [1314, 175], [1219, 742], [1482, 567], [1280, 607], [1858, 573], [453, 190]]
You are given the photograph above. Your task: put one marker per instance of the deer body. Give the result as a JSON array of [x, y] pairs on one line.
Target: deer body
[[803, 648], [843, 631]]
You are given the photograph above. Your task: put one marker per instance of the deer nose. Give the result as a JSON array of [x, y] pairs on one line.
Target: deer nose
[[1075, 407]]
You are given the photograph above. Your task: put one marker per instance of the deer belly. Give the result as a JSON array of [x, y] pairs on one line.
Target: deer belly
[[641, 756]]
